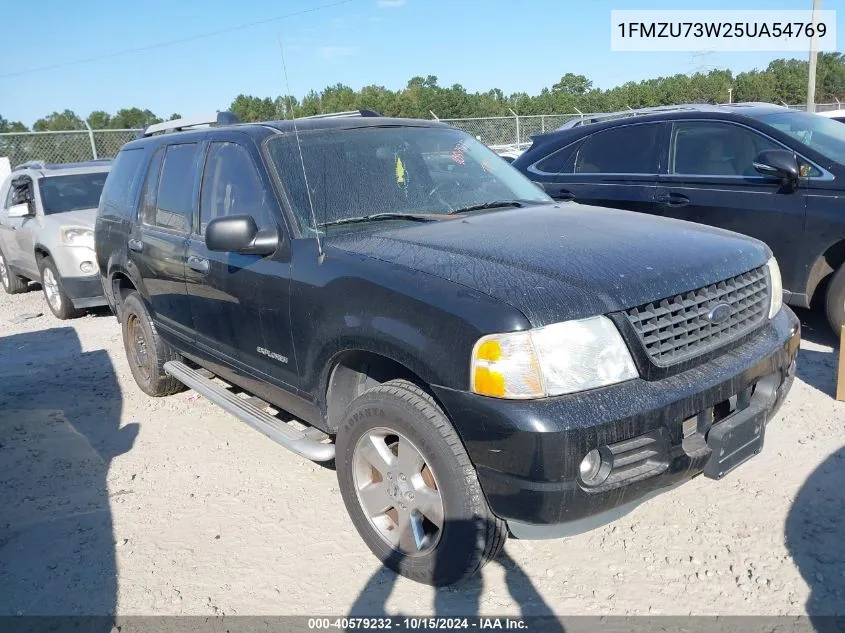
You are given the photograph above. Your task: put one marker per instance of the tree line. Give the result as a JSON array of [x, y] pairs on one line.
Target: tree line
[[782, 81]]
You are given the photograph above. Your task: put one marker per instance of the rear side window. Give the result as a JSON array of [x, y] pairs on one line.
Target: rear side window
[[631, 149], [122, 184], [560, 162], [174, 202], [148, 201]]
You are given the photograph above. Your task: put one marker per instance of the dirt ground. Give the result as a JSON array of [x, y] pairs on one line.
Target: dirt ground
[[114, 502]]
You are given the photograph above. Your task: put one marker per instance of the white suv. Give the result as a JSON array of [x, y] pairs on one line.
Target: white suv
[[47, 233]]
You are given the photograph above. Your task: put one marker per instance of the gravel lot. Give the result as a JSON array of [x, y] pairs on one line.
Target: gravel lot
[[114, 502]]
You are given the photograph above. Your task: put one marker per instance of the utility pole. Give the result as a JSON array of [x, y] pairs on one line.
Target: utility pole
[[814, 53], [730, 95]]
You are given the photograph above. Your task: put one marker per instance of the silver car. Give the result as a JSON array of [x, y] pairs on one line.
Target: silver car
[[47, 233]]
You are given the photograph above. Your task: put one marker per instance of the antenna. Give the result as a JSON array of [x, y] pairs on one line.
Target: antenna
[[320, 254]]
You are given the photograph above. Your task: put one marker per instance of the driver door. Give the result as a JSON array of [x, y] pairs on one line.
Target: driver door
[[240, 303], [19, 241], [711, 180]]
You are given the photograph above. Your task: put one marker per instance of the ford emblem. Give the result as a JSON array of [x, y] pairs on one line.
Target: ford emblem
[[719, 313]]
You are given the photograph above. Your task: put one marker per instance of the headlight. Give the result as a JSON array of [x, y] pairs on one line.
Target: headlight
[[550, 361], [77, 236], [776, 301]]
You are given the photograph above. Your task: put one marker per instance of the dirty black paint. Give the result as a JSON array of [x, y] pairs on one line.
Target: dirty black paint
[[422, 294]]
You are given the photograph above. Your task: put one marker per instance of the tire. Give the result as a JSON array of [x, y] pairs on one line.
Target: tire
[[12, 284], [58, 301], [398, 415], [146, 351], [835, 301]]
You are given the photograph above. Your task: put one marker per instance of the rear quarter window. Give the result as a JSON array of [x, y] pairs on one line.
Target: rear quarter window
[[122, 185]]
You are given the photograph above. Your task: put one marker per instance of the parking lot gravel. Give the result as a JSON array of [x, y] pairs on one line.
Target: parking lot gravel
[[114, 502]]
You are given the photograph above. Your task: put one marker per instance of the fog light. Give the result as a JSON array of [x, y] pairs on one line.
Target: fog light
[[590, 466], [87, 267]]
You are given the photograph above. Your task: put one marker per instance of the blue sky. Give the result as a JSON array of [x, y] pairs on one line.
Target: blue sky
[[515, 45]]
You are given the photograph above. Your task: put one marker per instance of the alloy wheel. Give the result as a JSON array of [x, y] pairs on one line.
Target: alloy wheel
[[51, 289], [397, 491]]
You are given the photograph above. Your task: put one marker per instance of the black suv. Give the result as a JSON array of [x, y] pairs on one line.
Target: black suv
[[475, 358], [758, 169]]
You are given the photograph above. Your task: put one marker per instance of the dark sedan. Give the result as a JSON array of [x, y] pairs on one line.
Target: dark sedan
[[758, 169]]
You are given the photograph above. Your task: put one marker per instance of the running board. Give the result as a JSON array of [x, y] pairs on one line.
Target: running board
[[305, 443]]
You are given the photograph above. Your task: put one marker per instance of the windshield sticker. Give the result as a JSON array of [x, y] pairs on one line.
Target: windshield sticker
[[458, 153], [400, 172]]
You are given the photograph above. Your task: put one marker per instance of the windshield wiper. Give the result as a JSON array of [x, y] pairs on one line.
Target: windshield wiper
[[492, 204], [381, 216]]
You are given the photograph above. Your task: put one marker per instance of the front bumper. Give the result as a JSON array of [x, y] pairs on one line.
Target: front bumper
[[84, 292], [527, 453]]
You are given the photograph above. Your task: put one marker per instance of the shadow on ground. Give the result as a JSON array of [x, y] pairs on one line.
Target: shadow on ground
[[464, 598], [817, 367], [815, 537], [59, 430]]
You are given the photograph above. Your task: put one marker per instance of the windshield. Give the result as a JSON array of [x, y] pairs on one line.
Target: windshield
[[824, 135], [73, 192], [397, 170]]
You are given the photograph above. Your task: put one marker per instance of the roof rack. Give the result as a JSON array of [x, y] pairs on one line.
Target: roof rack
[[333, 115], [621, 114], [177, 125], [31, 164]]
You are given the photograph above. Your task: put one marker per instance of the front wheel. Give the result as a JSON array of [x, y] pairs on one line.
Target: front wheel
[[410, 488], [58, 301], [835, 301]]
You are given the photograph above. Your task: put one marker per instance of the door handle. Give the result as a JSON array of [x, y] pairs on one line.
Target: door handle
[[135, 245], [564, 194], [198, 264], [674, 200]]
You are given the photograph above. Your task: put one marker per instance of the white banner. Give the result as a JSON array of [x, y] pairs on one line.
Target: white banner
[[742, 30]]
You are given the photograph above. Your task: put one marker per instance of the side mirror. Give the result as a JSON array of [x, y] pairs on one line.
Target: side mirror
[[240, 234], [778, 163], [20, 210]]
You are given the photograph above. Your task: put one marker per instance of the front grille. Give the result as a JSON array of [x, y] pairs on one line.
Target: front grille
[[677, 328]]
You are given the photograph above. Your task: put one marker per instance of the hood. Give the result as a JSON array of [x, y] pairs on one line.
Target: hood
[[84, 217], [565, 261]]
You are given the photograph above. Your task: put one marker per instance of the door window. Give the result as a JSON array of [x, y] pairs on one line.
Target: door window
[[122, 183], [630, 149], [174, 201], [148, 199], [231, 185], [713, 148]]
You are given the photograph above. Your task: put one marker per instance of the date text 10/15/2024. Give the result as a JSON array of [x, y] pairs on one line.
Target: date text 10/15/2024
[[402, 623]]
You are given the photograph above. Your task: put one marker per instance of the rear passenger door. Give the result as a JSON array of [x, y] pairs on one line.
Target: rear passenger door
[[240, 303], [158, 241], [616, 167], [711, 180]]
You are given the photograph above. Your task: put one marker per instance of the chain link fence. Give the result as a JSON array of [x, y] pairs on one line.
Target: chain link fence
[[63, 147], [500, 133]]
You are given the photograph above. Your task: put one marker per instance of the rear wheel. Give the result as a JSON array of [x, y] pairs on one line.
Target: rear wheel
[[410, 488], [146, 351], [57, 299], [12, 283], [835, 301]]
